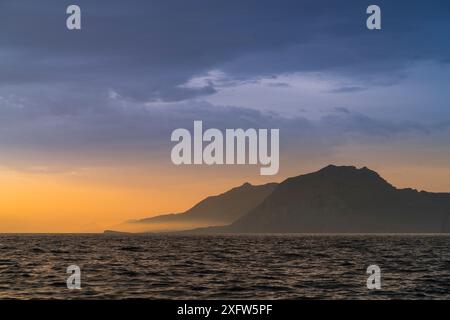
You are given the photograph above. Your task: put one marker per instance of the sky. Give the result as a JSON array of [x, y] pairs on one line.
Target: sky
[[86, 116]]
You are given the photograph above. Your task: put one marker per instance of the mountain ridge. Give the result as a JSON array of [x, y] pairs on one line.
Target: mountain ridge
[[346, 199], [221, 209], [334, 199]]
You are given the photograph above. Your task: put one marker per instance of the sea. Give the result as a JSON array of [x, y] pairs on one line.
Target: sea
[[288, 266]]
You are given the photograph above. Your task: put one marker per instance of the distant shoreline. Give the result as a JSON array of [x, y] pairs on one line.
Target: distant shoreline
[[215, 234]]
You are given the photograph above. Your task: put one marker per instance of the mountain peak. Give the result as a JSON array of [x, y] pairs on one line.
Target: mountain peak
[[242, 187], [332, 167], [332, 180], [348, 170], [221, 209], [345, 199]]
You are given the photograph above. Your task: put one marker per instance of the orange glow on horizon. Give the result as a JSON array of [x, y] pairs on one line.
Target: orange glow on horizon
[[96, 199], [60, 203]]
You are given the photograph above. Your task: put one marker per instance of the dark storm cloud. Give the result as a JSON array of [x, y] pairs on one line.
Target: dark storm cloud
[[347, 89], [76, 92], [147, 49], [130, 131]]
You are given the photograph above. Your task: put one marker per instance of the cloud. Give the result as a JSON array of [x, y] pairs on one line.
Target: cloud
[[146, 50], [137, 71], [116, 130], [342, 109], [348, 89]]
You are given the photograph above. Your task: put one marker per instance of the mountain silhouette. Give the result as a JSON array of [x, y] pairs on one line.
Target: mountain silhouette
[[216, 210], [344, 199]]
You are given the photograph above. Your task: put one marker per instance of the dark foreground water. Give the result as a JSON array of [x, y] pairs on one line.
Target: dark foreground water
[[224, 267]]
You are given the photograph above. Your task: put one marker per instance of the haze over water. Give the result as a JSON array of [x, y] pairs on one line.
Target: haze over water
[[224, 267]]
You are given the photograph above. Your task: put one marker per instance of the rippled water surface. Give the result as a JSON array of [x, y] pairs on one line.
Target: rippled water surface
[[224, 267]]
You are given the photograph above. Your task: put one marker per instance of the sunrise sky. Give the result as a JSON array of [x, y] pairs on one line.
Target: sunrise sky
[[86, 116]]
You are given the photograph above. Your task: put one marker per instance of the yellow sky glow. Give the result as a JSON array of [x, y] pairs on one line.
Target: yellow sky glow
[[96, 199]]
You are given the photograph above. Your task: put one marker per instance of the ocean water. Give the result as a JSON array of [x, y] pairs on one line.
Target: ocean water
[[224, 267]]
